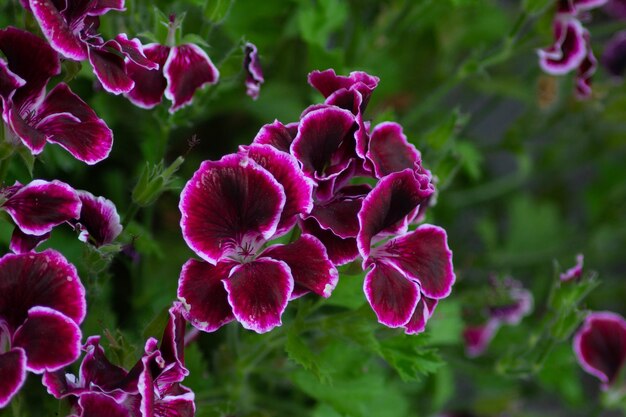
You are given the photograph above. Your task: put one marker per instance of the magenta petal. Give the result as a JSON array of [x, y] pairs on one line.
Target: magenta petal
[[187, 68], [424, 256], [22, 242], [202, 292], [389, 150], [40, 205], [12, 374], [340, 251], [259, 292], [228, 206], [102, 6], [97, 370], [600, 346], [391, 294], [9, 82], [95, 404], [585, 72], [477, 338], [614, 54], [109, 67], [175, 406], [99, 222], [421, 315], [327, 82], [173, 342], [55, 28], [277, 135], [149, 84], [582, 5], [51, 339], [574, 272], [254, 73], [310, 267], [569, 48], [133, 50], [46, 278], [285, 169], [33, 139], [322, 135], [390, 206]]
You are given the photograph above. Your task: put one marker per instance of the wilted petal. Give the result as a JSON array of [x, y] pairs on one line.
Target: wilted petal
[[391, 294], [12, 374], [310, 267], [574, 272], [477, 338], [389, 207], [22, 242], [202, 292], [327, 82], [187, 68], [94, 404], [229, 206], [278, 135], [99, 222], [600, 346], [48, 280], [285, 169], [149, 84], [41, 205], [340, 251], [57, 30], [254, 73], [322, 138], [69, 122], [423, 312], [259, 292], [108, 65], [569, 48], [51, 339], [389, 150]]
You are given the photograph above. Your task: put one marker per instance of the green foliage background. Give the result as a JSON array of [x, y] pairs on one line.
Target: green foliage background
[[527, 176]]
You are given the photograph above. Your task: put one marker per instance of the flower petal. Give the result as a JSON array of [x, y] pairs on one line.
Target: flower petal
[[47, 279], [50, 338], [390, 151], [278, 135], [175, 406], [187, 68], [99, 222], [424, 256], [95, 404], [229, 205], [12, 374], [614, 52], [133, 50], [327, 82], [58, 31], [23, 243], [423, 312], [41, 205], [254, 72], [202, 292], [259, 292], [390, 206], [585, 72], [149, 84], [9, 82], [569, 48], [574, 272], [310, 267], [173, 341], [600, 346], [96, 369], [340, 251], [108, 65], [285, 169], [103, 6], [582, 5], [477, 338]]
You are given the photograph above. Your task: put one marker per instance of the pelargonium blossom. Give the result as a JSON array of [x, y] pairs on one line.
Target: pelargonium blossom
[[71, 27], [230, 209], [600, 346], [253, 70], [151, 388], [35, 117], [38, 333]]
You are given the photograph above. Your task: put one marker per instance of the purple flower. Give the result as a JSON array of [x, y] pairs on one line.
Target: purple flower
[[230, 209], [600, 346], [614, 55], [569, 48], [254, 72], [477, 338], [59, 116], [575, 272], [54, 308], [99, 222]]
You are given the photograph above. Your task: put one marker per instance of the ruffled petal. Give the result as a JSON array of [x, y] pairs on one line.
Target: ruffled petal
[[327, 82], [133, 50], [423, 312], [390, 151], [9, 82], [94, 404], [569, 48], [600, 346], [254, 72], [340, 251], [202, 292], [424, 256], [23, 243], [56, 29], [390, 206], [259, 292], [108, 65], [12, 374], [285, 169], [41, 205], [149, 84], [99, 222], [187, 69], [51, 339], [278, 135], [391, 294], [39, 279], [230, 206], [310, 267]]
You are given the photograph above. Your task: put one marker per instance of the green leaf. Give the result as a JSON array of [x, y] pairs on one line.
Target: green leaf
[[300, 353], [318, 20], [536, 6], [157, 324], [408, 358], [217, 10]]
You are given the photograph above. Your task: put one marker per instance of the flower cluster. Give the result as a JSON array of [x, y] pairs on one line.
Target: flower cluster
[[316, 174], [571, 49], [151, 388], [508, 303]]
